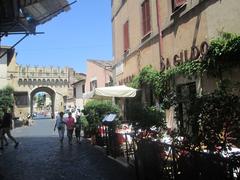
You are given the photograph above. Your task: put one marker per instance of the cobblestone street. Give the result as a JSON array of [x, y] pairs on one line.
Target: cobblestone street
[[40, 157]]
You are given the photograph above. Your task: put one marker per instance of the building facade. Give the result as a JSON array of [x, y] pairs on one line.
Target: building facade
[[4, 63], [135, 38], [135, 32], [78, 91], [187, 28], [167, 33], [99, 74], [27, 81], [73, 77]]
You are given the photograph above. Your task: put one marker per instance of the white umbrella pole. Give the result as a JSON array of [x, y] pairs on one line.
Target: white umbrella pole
[[113, 100]]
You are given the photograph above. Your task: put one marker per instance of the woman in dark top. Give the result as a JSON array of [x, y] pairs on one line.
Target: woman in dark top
[[7, 126], [2, 136], [78, 129]]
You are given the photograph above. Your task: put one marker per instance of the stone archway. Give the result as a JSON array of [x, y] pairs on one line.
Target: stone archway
[[48, 90]]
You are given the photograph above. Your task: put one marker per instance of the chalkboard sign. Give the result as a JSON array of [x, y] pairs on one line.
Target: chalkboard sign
[[109, 118]]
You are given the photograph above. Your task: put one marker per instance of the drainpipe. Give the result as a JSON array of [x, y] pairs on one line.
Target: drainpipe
[[159, 31], [160, 39]]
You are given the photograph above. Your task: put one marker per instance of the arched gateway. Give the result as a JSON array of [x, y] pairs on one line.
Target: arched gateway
[[48, 90], [27, 81]]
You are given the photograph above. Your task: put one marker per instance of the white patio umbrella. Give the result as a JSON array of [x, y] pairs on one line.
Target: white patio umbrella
[[110, 92]]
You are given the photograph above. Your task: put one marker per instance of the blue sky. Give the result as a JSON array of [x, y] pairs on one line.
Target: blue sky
[[84, 32]]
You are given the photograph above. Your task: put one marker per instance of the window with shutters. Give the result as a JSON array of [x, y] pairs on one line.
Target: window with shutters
[[93, 85], [126, 37], [146, 25], [177, 3], [83, 88], [74, 92]]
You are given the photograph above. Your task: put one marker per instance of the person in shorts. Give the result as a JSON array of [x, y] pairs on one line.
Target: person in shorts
[[60, 125]]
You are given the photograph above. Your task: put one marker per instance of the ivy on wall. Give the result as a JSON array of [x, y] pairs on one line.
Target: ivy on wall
[[160, 81], [223, 54]]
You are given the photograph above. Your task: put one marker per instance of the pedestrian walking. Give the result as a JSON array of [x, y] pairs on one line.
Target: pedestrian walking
[[70, 127], [78, 128], [7, 126], [60, 125], [2, 136]]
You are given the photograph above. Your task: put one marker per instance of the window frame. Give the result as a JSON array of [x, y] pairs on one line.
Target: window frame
[[93, 85], [83, 88], [126, 44], [74, 92], [146, 17]]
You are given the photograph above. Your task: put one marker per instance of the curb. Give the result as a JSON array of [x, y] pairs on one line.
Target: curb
[[126, 165], [118, 160]]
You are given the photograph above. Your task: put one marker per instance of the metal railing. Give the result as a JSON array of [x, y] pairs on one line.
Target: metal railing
[[156, 160]]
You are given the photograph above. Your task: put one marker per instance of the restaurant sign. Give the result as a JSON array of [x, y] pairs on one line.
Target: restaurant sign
[[184, 56]]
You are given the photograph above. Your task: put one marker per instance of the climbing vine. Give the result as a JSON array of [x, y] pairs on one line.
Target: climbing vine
[[160, 81], [212, 124], [222, 55]]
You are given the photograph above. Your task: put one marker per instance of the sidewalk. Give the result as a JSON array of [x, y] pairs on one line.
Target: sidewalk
[[121, 160]]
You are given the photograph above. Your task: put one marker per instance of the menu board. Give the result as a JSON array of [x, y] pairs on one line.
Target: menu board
[[109, 118]]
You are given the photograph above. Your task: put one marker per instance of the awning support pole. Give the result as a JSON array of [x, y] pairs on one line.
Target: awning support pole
[[57, 11], [13, 46]]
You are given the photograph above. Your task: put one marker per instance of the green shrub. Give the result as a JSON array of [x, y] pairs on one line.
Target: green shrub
[[218, 118], [147, 117], [6, 99], [95, 110], [84, 121]]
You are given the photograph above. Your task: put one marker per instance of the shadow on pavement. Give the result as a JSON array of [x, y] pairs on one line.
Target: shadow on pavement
[[44, 158]]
